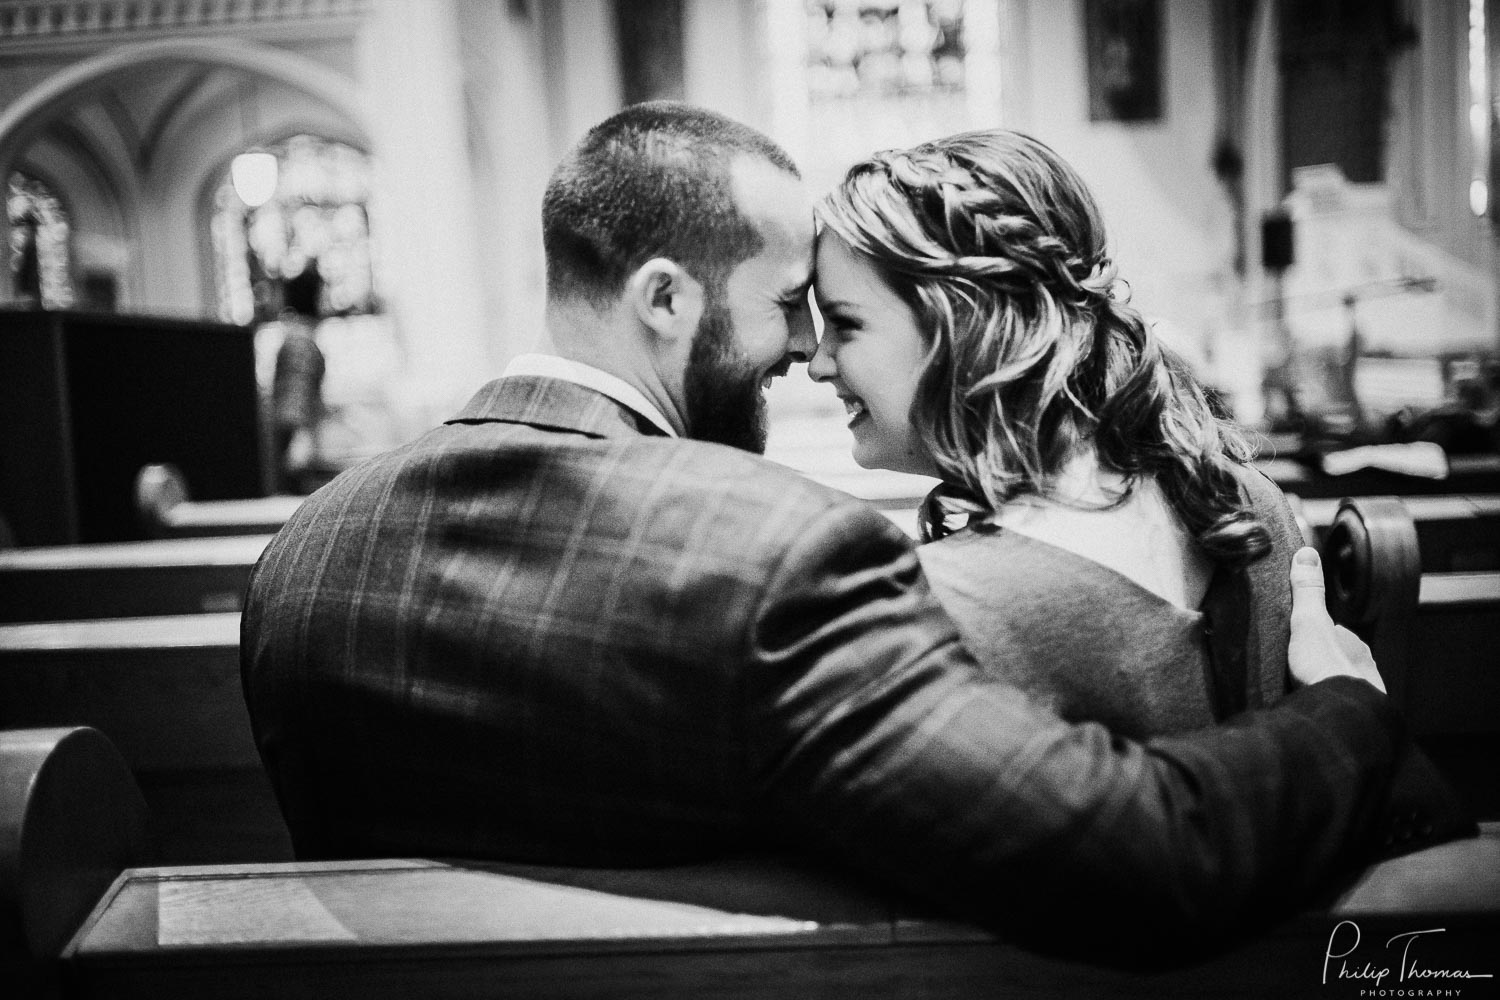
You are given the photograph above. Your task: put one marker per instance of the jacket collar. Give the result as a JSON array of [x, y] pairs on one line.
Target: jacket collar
[[553, 404]]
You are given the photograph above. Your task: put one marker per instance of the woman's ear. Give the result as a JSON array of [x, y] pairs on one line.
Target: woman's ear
[[666, 299]]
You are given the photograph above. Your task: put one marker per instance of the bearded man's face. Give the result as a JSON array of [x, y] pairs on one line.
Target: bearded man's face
[[722, 386]]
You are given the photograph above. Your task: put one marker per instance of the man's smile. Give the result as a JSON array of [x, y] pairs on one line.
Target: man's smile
[[779, 370]]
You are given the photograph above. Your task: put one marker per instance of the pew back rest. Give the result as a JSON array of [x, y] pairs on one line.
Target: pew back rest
[[165, 690], [748, 928], [165, 509], [1432, 634], [1434, 626], [127, 579], [1457, 533], [71, 818]]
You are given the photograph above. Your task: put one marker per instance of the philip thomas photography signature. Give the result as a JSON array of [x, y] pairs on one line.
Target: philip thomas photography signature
[[1406, 948]]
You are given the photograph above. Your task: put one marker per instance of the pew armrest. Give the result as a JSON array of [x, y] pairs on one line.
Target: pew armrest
[[1371, 562], [159, 490], [71, 818], [166, 509], [1373, 573]]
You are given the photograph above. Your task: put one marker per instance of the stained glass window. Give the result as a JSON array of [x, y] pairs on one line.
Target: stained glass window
[[318, 213], [856, 75], [39, 264], [884, 47]]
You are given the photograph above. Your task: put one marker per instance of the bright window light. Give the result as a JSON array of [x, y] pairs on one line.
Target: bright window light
[[254, 177], [1479, 110]]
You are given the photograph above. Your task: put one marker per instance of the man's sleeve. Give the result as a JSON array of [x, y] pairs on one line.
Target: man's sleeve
[[875, 737]]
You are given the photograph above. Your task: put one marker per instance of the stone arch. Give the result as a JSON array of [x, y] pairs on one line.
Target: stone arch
[[73, 83]]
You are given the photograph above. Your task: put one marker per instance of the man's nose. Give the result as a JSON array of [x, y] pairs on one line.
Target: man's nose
[[803, 343]]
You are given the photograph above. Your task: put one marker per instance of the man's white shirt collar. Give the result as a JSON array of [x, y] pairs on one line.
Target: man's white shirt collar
[[622, 392]]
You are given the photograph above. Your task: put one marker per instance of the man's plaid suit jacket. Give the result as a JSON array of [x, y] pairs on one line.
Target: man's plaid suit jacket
[[544, 633]]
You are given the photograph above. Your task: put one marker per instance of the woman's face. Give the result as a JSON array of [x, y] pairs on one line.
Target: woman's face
[[872, 354]]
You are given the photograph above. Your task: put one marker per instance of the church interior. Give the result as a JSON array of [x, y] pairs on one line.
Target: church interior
[[1300, 194]]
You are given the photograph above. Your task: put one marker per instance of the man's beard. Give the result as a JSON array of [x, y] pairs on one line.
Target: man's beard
[[722, 388]]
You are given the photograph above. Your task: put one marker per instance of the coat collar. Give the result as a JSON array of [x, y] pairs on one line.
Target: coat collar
[[554, 404]]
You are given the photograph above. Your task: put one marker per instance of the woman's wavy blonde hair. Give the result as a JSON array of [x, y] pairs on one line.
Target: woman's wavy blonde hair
[[996, 244]]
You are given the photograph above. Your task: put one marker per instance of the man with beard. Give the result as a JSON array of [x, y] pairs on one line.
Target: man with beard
[[571, 627]]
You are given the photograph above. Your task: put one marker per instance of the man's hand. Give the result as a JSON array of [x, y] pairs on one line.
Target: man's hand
[[1320, 649]]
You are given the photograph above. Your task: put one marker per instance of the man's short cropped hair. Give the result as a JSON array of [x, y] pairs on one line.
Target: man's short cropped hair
[[651, 181]]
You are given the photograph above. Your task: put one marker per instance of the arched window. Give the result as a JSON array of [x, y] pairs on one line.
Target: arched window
[[39, 263], [318, 213]]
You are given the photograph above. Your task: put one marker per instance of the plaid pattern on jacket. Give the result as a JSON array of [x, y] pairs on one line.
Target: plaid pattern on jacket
[[542, 633]]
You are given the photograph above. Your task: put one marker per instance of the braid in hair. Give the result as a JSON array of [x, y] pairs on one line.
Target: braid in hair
[[997, 246]]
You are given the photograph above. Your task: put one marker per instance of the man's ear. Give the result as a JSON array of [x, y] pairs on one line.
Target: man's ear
[[666, 299]]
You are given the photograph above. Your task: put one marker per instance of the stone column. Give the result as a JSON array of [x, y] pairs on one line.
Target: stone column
[[428, 266]]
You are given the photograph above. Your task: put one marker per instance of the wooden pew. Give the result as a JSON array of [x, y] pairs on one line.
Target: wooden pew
[[162, 503], [1433, 635], [215, 518], [1455, 534], [751, 927], [1467, 474], [759, 928], [70, 820], [127, 579], [746, 927], [167, 692]]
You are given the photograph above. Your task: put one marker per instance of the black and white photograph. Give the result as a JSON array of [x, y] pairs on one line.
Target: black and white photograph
[[749, 499]]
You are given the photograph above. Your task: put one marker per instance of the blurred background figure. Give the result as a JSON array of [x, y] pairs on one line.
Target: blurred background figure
[[297, 384]]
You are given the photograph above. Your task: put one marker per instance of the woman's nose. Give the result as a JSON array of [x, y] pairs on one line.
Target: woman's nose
[[822, 367]]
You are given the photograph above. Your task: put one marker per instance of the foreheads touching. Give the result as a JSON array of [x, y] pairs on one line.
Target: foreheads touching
[[652, 181]]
